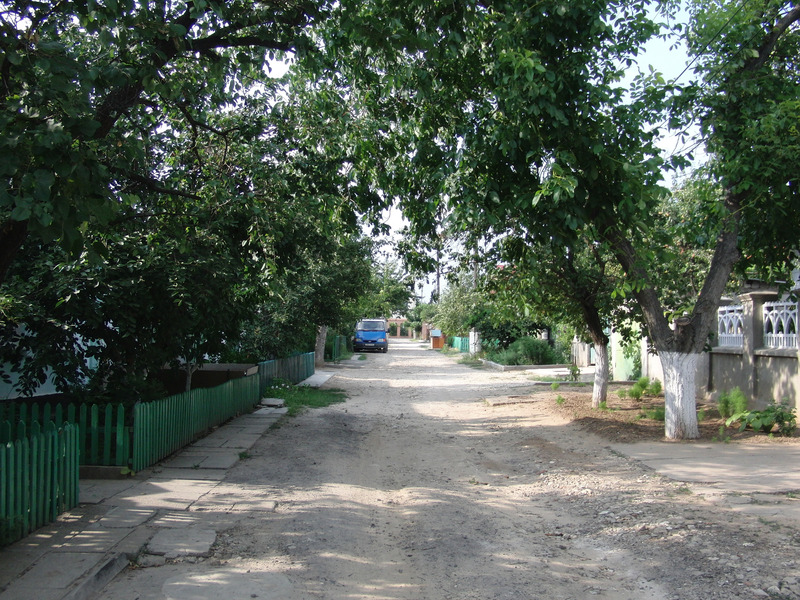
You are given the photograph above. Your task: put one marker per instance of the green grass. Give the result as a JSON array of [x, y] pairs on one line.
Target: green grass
[[470, 361], [298, 398], [449, 351], [362, 357]]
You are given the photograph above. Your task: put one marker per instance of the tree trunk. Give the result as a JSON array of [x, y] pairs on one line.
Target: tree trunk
[[600, 388], [319, 348], [190, 369], [679, 395]]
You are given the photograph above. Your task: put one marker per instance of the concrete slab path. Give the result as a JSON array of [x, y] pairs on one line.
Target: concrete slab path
[[156, 514], [744, 467]]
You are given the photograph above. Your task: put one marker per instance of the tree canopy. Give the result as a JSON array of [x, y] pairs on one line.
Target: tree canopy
[[513, 116]]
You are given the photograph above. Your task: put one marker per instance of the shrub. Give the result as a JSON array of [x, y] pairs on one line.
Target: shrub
[[560, 399], [654, 389], [503, 357], [555, 385], [656, 414], [526, 351], [635, 392], [622, 393], [738, 400], [643, 382], [732, 403], [534, 351], [765, 420], [724, 405]]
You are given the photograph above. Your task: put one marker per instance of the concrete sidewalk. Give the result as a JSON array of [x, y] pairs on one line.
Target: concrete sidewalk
[[155, 515], [769, 468], [761, 479]]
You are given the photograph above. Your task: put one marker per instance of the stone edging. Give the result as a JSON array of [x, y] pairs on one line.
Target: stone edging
[[498, 367]]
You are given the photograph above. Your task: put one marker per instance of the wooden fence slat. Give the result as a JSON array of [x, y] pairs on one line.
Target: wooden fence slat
[[5, 484], [83, 421], [120, 453], [107, 428], [94, 428]]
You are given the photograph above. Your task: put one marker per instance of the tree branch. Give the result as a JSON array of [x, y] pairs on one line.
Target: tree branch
[[154, 185], [766, 48]]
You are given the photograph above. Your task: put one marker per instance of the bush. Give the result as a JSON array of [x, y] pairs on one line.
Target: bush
[[526, 351], [643, 382], [635, 392], [732, 403], [503, 357], [765, 420], [654, 389]]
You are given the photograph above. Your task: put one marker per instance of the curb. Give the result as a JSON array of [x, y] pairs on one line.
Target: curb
[[96, 579]]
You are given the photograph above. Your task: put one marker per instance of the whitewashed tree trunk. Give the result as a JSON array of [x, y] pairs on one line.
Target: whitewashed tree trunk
[[680, 395], [189, 369], [319, 348], [600, 388]]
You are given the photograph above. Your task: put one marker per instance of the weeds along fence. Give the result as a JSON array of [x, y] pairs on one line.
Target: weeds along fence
[[294, 369], [38, 476]]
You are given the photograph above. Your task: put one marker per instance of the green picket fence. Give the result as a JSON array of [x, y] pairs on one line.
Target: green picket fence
[[109, 436], [461, 344], [294, 368], [164, 426], [38, 477], [338, 347], [103, 437]]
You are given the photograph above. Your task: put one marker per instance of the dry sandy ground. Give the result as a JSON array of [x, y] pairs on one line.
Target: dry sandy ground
[[416, 488]]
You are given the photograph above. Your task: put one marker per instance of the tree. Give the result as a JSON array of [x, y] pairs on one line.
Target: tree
[[91, 91], [105, 329], [565, 285], [517, 112], [749, 85], [458, 306], [389, 292]]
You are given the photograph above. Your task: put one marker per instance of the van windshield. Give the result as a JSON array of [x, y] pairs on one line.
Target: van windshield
[[370, 326]]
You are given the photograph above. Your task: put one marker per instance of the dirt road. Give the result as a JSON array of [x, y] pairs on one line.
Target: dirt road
[[417, 489]]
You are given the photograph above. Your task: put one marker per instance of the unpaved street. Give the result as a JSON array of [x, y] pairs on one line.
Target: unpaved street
[[417, 489]]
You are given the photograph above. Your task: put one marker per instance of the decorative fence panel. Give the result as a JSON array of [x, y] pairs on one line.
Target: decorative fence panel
[[38, 478], [780, 325], [730, 328]]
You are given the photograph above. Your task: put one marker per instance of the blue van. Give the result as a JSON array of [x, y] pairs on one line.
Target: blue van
[[371, 334]]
